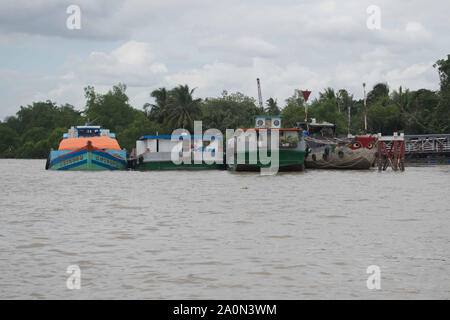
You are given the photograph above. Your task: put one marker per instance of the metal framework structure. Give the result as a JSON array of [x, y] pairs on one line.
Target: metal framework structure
[[434, 143], [393, 149]]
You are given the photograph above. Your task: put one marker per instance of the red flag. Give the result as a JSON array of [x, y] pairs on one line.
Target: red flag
[[306, 94]]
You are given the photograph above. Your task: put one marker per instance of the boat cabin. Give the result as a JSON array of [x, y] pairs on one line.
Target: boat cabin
[[87, 132], [289, 138], [162, 146], [317, 129]]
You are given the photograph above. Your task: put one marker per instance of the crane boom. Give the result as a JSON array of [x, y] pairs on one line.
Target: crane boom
[[259, 94]]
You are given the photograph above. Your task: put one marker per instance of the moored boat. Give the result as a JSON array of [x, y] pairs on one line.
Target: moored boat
[[291, 147], [326, 151], [87, 148], [179, 152]]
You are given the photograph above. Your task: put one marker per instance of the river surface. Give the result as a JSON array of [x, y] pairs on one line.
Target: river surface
[[223, 235]]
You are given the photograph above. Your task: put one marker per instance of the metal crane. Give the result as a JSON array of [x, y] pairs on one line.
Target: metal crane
[[259, 94]]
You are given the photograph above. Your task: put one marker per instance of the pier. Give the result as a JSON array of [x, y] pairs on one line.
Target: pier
[[425, 148], [391, 152], [430, 148]]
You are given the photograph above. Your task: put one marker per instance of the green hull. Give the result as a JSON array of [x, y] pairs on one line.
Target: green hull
[[289, 160], [169, 165]]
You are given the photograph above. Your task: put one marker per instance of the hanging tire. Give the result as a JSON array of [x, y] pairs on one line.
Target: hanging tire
[[325, 156], [341, 154], [313, 157], [47, 164]]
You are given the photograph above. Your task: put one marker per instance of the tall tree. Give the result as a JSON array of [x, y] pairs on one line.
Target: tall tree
[[294, 110], [344, 100], [327, 94], [230, 111], [272, 107], [403, 100], [182, 108], [379, 91], [296, 99], [111, 110], [423, 105], [158, 109], [442, 114]]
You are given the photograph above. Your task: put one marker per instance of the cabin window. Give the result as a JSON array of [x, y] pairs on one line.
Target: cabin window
[[289, 139], [88, 132]]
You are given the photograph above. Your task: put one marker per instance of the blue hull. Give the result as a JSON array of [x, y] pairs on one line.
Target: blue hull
[[84, 159]]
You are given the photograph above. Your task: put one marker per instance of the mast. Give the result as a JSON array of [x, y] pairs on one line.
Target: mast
[[306, 111], [306, 94], [365, 109], [348, 125], [259, 95]]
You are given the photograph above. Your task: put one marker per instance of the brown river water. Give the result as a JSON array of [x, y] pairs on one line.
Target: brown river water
[[223, 235]]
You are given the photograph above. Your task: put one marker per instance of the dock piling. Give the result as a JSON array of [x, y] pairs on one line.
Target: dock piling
[[391, 149]]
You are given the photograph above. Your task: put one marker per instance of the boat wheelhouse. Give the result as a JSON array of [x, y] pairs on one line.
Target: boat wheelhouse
[[247, 155], [87, 148], [179, 152]]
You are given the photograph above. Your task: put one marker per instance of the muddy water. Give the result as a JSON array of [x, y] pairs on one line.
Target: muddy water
[[216, 234]]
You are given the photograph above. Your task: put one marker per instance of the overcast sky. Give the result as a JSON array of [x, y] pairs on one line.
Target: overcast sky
[[215, 46]]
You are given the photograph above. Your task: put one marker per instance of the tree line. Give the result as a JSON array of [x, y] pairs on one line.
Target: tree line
[[38, 127]]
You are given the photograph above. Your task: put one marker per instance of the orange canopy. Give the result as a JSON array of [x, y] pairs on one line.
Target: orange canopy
[[98, 142]]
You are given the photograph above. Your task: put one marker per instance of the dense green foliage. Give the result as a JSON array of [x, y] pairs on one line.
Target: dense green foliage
[[39, 127]]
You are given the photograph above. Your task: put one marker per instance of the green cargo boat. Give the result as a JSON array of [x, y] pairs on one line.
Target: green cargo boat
[[291, 150]]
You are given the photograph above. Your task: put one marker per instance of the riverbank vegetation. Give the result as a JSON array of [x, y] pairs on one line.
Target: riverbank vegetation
[[38, 127]]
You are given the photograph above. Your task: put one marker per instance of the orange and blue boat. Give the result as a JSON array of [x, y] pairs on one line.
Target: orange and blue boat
[[87, 148]]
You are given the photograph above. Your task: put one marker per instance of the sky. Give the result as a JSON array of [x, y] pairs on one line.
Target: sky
[[216, 45]]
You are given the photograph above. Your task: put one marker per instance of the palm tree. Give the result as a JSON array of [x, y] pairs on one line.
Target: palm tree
[[182, 108], [343, 100], [327, 94], [404, 103], [272, 107], [401, 99], [158, 110]]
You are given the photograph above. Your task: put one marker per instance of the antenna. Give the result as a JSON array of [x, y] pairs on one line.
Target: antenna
[[259, 94], [365, 109]]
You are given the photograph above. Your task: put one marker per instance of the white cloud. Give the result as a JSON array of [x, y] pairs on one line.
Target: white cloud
[[420, 75], [411, 34], [48, 18], [131, 63], [278, 82], [216, 45], [247, 46], [134, 53]]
